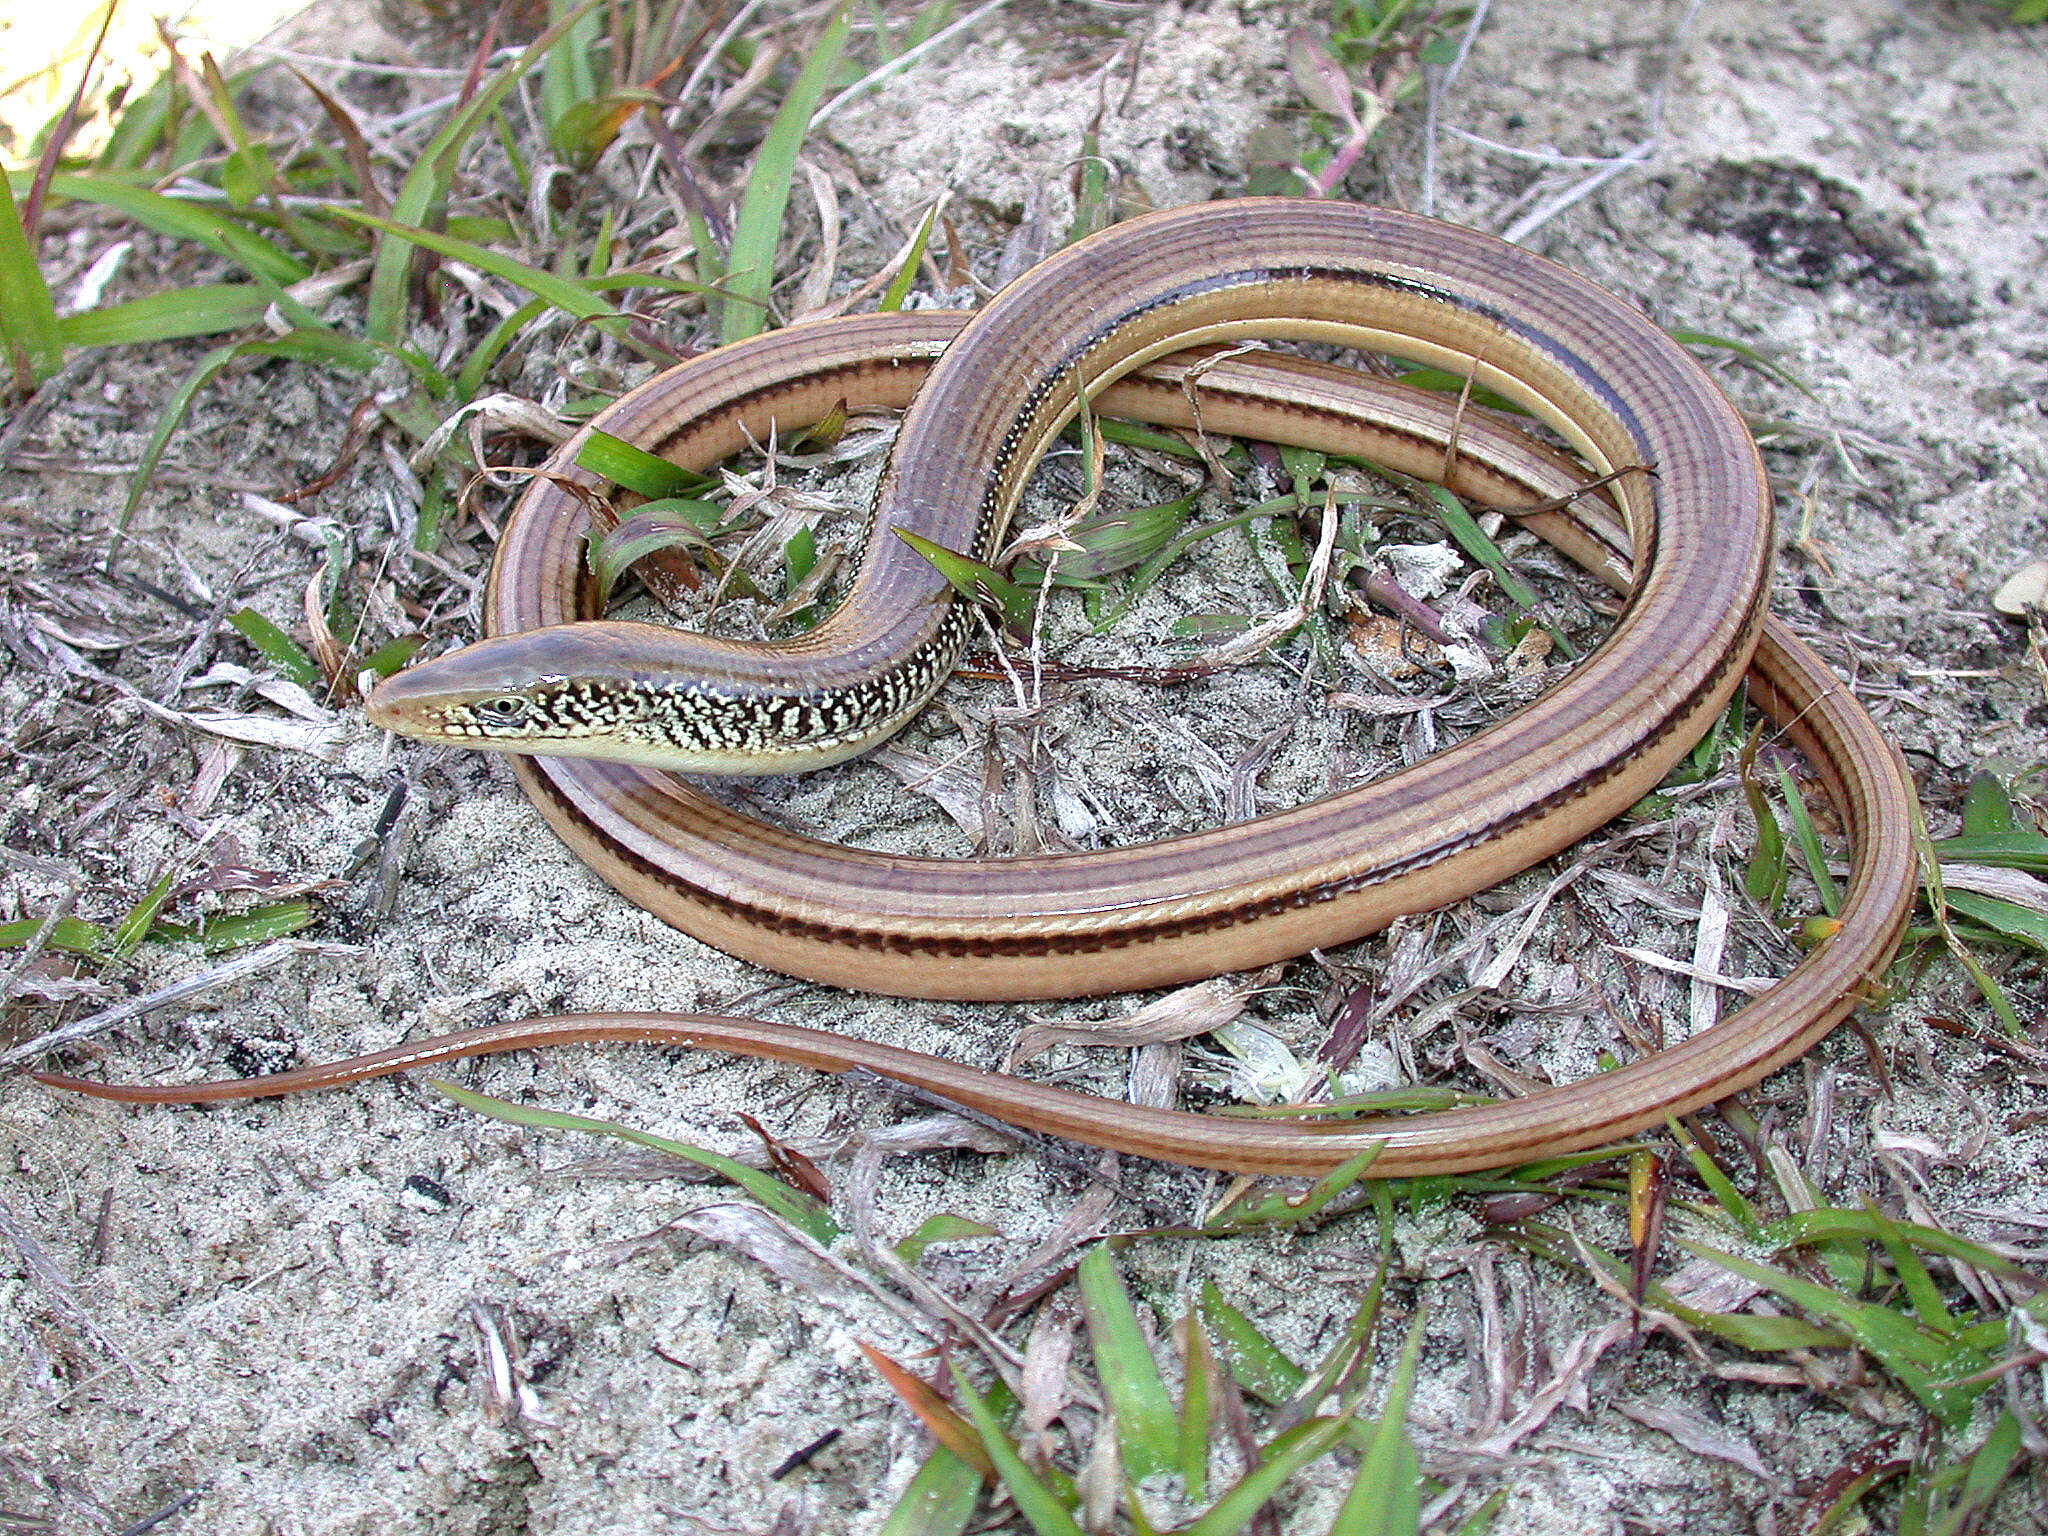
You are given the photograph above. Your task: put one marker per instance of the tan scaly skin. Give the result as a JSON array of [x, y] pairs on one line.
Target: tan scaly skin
[[1228, 899]]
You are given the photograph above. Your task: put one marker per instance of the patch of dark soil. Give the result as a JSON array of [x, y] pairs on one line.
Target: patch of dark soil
[[1813, 232]]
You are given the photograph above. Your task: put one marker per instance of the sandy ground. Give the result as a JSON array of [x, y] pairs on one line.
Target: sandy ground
[[284, 1306]]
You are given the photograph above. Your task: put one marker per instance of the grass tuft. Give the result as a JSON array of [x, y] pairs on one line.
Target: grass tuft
[[750, 260], [29, 328]]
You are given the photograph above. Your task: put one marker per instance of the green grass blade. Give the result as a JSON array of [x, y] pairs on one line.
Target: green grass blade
[[1952, 1499], [709, 258], [1375, 1101], [434, 505], [469, 381], [275, 646], [799, 557], [567, 79], [1287, 1455], [1988, 1469], [945, 1227], [672, 523], [750, 263], [588, 128], [424, 192], [1197, 1408], [1763, 880], [565, 294], [1726, 1195], [636, 469], [793, 1206], [1834, 1223], [906, 276], [1282, 1208], [1343, 1362], [1946, 1371], [1936, 896], [28, 315], [1465, 531], [1919, 1284], [1150, 572], [1386, 1496], [1741, 349], [141, 126], [1445, 382], [1480, 1521], [249, 176], [1844, 1496], [2004, 850], [393, 654], [1036, 1502], [924, 24], [1094, 207], [1809, 843], [316, 346], [1757, 1335], [185, 220], [134, 928], [1147, 1431], [216, 935], [205, 309], [1877, 1328], [1115, 542], [974, 580], [1987, 808], [938, 1501], [1255, 1360], [1130, 435], [2009, 920], [73, 935]]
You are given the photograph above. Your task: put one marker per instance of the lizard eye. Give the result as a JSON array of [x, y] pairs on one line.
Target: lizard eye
[[510, 709]]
